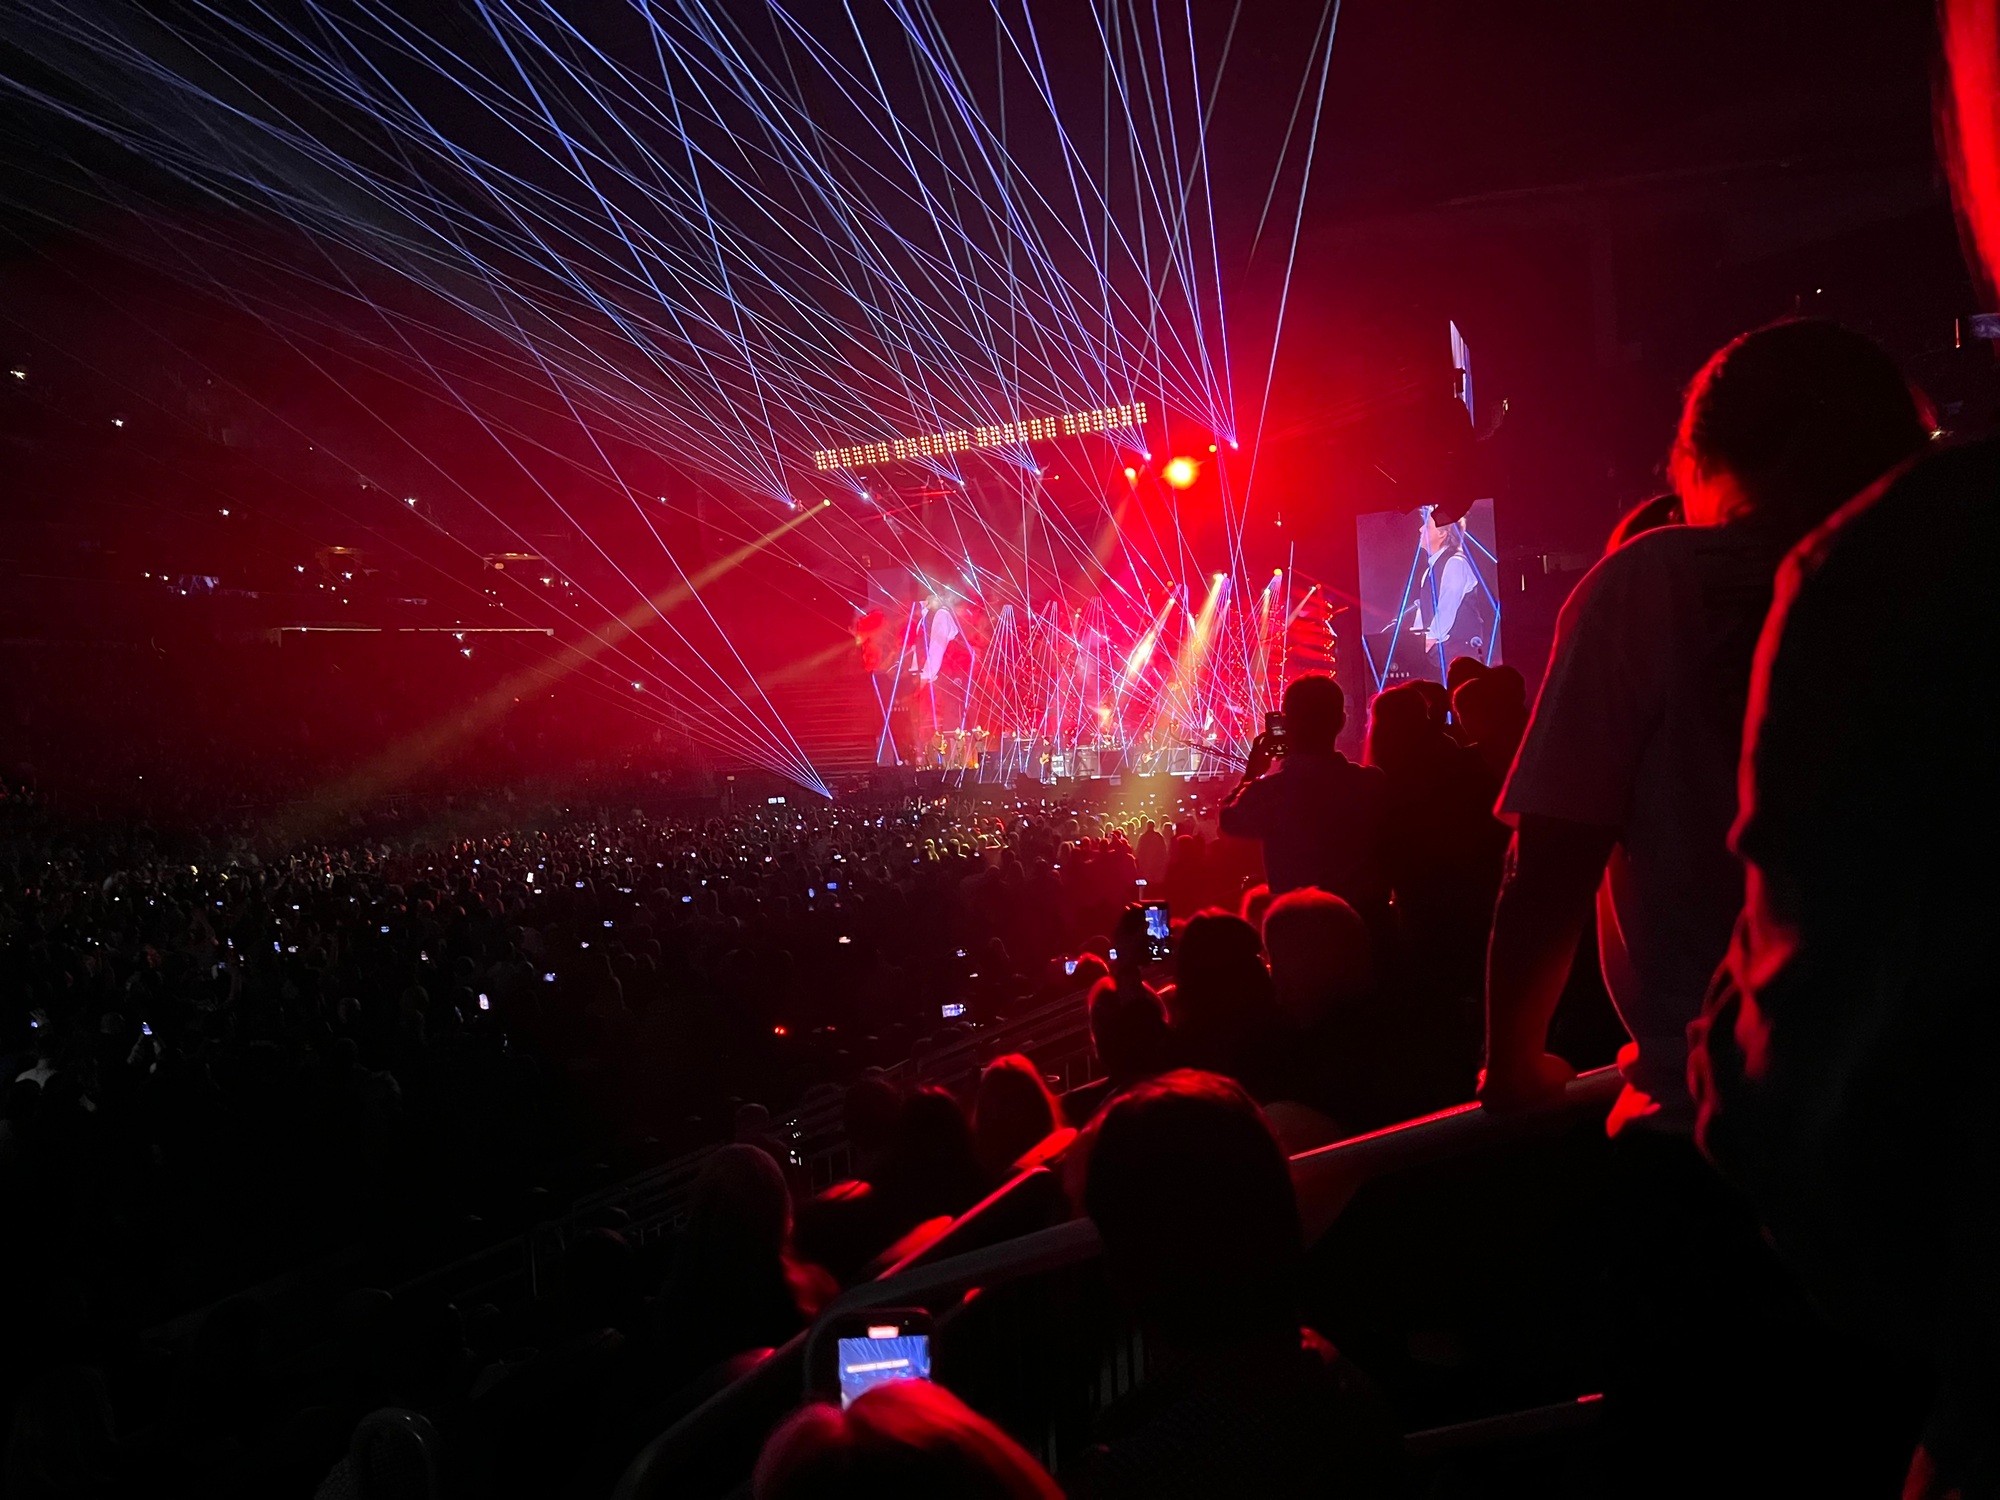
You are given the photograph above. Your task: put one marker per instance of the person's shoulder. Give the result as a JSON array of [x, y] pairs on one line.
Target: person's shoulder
[[1647, 568], [1914, 508], [1363, 774], [1618, 573], [1670, 549], [1326, 764]]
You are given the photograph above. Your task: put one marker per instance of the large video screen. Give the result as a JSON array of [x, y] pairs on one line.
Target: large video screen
[[1429, 593]]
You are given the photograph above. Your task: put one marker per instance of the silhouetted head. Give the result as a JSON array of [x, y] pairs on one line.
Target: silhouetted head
[[909, 1438], [1222, 1006], [742, 1210], [1128, 1030], [1400, 730], [931, 1167], [1256, 901], [1013, 1113], [1315, 712], [1462, 670], [1437, 700], [1493, 709], [1321, 957], [1193, 1198], [1790, 421]]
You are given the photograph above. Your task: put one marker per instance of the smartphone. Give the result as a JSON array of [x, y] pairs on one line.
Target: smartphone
[[1274, 732], [850, 1353], [1069, 966], [952, 1011], [1159, 932]]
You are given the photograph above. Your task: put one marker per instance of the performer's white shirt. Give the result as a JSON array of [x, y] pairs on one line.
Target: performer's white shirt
[[1454, 581]]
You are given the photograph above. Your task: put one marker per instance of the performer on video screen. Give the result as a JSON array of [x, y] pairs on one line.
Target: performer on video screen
[[1450, 611]]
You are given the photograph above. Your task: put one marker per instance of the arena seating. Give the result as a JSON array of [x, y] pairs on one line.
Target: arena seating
[[1023, 1331]]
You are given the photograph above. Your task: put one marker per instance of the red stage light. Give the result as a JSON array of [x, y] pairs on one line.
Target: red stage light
[[1180, 472]]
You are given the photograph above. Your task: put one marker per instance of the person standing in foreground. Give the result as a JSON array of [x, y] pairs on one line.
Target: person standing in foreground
[[1844, 1068], [1319, 816], [1842, 1071], [1625, 784], [1723, 1377]]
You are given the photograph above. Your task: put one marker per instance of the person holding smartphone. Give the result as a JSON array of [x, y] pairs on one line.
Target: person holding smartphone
[[1319, 816]]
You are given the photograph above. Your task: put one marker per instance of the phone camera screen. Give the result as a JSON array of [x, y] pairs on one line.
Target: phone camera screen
[[887, 1354]]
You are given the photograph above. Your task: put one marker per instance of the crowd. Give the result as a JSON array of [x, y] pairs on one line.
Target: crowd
[[220, 1063], [1804, 1165], [217, 1066]]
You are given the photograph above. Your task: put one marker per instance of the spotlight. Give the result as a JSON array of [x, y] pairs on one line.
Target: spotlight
[[1180, 472], [1131, 475]]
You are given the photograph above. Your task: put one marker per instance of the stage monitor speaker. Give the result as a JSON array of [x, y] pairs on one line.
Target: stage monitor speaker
[[992, 768]]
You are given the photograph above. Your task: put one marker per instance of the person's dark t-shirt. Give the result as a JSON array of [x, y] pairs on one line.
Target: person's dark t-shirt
[[1843, 1068], [1320, 818]]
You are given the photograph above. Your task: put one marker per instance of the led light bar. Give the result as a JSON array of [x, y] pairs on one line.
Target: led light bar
[[1005, 435]]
